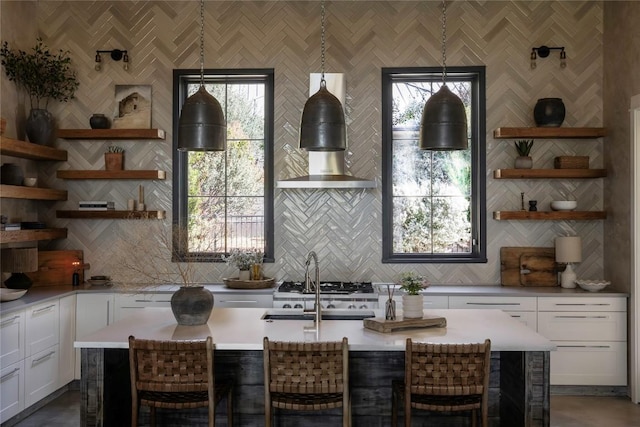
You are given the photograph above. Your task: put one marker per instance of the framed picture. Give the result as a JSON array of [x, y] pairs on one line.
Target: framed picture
[[133, 107]]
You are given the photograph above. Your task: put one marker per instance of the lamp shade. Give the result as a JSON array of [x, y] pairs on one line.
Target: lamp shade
[[568, 249], [201, 126], [444, 122], [323, 127], [18, 261]]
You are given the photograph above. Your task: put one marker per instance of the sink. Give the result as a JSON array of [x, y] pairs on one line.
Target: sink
[[328, 314]]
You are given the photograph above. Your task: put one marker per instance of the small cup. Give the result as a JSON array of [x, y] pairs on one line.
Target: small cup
[[30, 182], [131, 204]]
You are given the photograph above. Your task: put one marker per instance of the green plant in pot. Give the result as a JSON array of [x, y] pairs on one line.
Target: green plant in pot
[[523, 161], [412, 301], [44, 75]]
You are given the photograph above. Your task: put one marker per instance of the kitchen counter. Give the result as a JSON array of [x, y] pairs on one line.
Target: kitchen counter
[[519, 393]]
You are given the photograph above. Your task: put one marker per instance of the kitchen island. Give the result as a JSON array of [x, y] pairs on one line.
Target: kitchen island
[[519, 392]]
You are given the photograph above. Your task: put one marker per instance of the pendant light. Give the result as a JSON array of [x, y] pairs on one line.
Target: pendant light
[[201, 126], [444, 120], [322, 127]]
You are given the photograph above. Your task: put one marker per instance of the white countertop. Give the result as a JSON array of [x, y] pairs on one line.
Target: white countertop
[[243, 329]]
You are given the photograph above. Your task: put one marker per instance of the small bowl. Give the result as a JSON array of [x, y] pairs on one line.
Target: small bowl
[[11, 294], [30, 182], [593, 285], [563, 205]]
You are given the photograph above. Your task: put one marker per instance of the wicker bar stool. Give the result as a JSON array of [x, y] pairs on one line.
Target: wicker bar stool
[[443, 378], [306, 376], [175, 375]]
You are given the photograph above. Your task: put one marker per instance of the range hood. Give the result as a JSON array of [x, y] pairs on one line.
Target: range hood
[[326, 168]]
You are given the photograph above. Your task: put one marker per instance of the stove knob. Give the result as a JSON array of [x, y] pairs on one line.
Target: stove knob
[[286, 306], [330, 305], [298, 306], [364, 306], [352, 306]]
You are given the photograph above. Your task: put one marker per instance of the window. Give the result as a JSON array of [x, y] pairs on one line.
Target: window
[[433, 201], [224, 200]]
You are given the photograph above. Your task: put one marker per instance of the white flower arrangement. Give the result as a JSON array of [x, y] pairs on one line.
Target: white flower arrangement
[[244, 259], [413, 283]]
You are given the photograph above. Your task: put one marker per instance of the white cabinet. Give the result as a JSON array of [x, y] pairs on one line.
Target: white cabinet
[[228, 299], [67, 327], [12, 340], [41, 375], [521, 308], [126, 304], [11, 390], [41, 327], [590, 334], [94, 311]]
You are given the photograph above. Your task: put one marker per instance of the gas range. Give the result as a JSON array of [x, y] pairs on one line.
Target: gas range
[[333, 294]]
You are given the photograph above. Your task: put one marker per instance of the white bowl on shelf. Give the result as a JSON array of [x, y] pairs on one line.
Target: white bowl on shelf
[[593, 285], [563, 205], [7, 294]]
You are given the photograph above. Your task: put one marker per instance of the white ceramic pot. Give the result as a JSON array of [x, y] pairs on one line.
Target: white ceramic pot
[[244, 275], [412, 306]]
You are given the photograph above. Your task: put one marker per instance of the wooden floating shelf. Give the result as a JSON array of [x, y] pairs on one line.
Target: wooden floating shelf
[[549, 215], [32, 235], [104, 174], [111, 133], [549, 173], [32, 193], [548, 133], [111, 214], [28, 150]]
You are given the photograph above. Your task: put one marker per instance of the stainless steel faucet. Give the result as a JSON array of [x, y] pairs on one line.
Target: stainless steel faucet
[[317, 308]]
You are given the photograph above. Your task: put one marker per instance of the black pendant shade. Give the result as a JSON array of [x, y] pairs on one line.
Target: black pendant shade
[[444, 123], [201, 126], [322, 127]]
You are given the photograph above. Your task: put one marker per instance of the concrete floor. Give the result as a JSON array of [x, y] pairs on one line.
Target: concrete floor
[[566, 411]]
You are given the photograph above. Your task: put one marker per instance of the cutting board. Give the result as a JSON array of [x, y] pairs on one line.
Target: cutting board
[[528, 266], [56, 267], [381, 325]]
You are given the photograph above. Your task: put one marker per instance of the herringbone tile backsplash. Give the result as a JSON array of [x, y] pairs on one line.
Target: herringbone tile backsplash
[[343, 227]]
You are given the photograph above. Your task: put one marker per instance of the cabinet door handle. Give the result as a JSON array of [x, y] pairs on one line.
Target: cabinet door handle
[[581, 317], [515, 315], [493, 303], [40, 310], [40, 359], [239, 301], [583, 346], [8, 321], [164, 300], [9, 374], [573, 304], [108, 309]]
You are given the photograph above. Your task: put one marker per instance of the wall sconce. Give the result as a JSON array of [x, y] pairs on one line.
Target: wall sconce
[[116, 55], [544, 51]]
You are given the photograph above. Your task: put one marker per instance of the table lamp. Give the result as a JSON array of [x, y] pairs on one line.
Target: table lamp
[[568, 251], [19, 261]]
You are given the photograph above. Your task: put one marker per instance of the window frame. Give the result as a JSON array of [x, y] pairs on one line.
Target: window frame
[[477, 128], [181, 79]]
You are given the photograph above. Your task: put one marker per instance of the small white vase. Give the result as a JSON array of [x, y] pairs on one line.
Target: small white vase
[[244, 275], [412, 306]]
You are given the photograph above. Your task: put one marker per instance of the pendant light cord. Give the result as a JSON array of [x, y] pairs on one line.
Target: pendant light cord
[[444, 42], [323, 83], [201, 42]]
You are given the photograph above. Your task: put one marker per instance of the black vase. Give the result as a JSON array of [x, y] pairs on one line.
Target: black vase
[[40, 127], [99, 121], [192, 305], [549, 112], [11, 174]]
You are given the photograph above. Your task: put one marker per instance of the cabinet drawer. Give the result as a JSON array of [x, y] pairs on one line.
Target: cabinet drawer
[[582, 304], [583, 326], [127, 304], [501, 303], [41, 375], [238, 300], [41, 327], [11, 390], [589, 363], [529, 318], [12, 339]]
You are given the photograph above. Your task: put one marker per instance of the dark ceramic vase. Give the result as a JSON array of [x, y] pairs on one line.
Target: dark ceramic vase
[[99, 121], [192, 305], [40, 127], [11, 174], [549, 112]]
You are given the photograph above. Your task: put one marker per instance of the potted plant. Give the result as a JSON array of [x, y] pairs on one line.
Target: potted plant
[[114, 158], [412, 301], [523, 161], [43, 75], [243, 260]]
